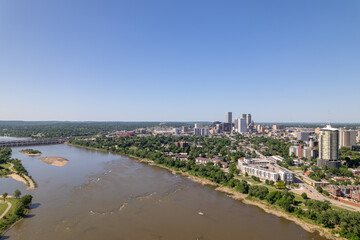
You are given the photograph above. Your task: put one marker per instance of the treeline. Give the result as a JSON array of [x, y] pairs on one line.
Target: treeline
[[343, 222], [274, 146], [5, 154], [198, 146], [31, 151], [19, 211], [69, 129]]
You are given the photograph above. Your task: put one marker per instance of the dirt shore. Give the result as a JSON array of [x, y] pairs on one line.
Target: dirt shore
[[17, 178]]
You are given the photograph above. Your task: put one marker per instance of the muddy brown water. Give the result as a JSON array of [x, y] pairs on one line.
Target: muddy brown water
[[100, 195]]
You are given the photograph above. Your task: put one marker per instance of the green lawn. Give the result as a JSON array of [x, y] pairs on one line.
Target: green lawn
[[13, 202], [293, 168], [3, 208], [5, 165], [4, 169]]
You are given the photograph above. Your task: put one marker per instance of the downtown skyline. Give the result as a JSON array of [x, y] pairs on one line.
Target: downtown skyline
[[180, 61]]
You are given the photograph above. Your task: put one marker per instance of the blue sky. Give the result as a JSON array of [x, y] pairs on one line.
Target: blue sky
[[180, 60]]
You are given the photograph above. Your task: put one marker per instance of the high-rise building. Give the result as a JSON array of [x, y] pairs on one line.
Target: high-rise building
[[243, 115], [198, 125], [242, 126], [229, 117], [201, 132], [248, 119], [347, 138], [236, 124], [329, 147]]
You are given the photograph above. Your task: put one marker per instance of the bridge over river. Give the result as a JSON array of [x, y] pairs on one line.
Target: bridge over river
[[32, 142]]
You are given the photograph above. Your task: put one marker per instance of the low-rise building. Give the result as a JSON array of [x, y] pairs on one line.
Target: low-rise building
[[350, 192], [125, 133], [266, 169], [215, 161], [181, 144]]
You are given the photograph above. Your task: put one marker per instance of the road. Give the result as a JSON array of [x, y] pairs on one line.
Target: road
[[312, 193]]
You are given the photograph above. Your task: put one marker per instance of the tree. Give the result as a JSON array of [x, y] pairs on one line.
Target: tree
[[280, 185], [246, 174], [17, 193], [4, 196], [304, 195], [319, 189]]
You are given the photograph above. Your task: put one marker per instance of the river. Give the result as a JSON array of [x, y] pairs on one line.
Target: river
[[99, 195]]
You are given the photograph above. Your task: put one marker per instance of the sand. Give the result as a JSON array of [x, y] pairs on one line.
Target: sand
[[17, 178], [55, 161]]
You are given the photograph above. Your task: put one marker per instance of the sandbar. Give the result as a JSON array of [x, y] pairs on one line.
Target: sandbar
[[55, 161]]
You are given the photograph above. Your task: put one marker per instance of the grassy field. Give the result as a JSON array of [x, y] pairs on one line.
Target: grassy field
[[3, 208], [4, 169], [5, 165]]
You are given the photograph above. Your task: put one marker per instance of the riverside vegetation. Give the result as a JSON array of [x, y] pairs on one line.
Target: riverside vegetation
[[5, 166], [31, 151], [17, 211], [343, 223]]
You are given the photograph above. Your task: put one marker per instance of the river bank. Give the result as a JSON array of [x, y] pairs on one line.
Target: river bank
[[306, 225], [29, 182]]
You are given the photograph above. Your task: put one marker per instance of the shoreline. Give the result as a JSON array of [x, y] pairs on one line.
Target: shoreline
[[310, 227]]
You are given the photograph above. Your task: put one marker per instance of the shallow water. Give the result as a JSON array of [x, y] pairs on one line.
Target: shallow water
[[99, 195]]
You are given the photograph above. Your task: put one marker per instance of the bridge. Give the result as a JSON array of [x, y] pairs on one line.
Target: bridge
[[32, 142]]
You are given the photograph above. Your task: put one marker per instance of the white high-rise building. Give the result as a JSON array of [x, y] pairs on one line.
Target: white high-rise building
[[329, 147], [229, 117], [347, 138]]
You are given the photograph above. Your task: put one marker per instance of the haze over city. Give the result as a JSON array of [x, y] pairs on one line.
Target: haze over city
[[283, 61]]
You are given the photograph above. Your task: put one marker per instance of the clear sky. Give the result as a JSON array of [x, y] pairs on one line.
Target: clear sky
[[180, 60]]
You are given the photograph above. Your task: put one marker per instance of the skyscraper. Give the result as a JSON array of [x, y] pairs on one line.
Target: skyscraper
[[329, 147], [242, 125], [229, 117], [236, 124], [248, 119]]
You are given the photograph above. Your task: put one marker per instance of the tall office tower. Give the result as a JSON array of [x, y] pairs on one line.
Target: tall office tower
[[329, 147], [248, 119], [242, 126], [236, 124], [198, 125], [229, 117], [243, 115], [347, 138]]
